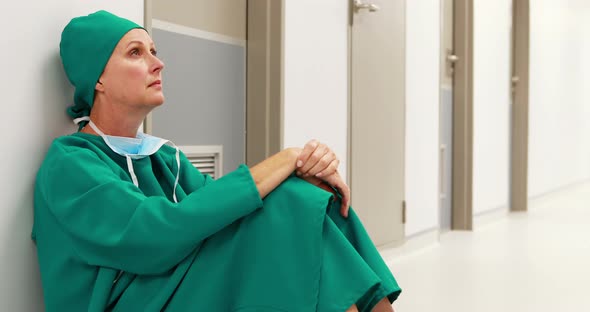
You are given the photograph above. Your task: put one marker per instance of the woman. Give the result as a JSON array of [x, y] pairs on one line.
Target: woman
[[124, 222]]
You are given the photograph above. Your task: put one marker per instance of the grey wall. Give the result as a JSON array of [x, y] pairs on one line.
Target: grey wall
[[205, 89]]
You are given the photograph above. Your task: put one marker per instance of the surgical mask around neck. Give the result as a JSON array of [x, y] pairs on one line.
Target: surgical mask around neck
[[143, 145]]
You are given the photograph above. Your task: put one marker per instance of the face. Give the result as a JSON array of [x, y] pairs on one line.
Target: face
[[132, 75]]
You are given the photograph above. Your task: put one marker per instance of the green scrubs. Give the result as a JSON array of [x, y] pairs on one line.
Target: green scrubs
[[104, 244]]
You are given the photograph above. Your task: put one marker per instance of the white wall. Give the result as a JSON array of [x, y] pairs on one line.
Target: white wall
[[422, 114], [316, 78], [559, 148], [35, 94], [491, 104], [559, 106]]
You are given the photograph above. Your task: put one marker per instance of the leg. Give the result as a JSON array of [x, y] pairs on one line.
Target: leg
[[357, 236], [383, 306]]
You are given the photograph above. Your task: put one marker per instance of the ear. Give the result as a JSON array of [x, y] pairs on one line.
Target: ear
[[99, 86]]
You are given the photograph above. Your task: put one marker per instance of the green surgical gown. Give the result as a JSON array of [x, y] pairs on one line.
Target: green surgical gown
[[106, 245]]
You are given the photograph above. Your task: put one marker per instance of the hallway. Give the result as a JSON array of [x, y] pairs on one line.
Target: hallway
[[534, 261]]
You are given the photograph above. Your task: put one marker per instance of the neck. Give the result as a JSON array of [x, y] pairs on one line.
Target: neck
[[115, 120]]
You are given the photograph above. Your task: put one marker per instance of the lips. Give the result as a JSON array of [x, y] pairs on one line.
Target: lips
[[155, 83]]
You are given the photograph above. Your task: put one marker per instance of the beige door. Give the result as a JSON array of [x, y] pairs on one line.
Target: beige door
[[377, 117]]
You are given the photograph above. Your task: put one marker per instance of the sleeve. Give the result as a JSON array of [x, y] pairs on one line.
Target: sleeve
[[190, 178], [112, 224]]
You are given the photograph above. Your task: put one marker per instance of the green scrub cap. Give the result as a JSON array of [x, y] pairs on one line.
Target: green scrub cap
[[87, 43]]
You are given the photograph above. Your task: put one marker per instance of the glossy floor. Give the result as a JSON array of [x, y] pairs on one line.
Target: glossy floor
[[533, 261]]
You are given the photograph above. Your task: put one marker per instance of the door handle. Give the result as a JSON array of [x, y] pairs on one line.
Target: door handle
[[359, 5], [513, 82], [452, 58]]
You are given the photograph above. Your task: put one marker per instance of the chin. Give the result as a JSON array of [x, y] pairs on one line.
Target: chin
[[156, 101]]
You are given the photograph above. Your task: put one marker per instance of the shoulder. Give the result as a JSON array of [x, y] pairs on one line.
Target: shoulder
[[71, 144], [64, 145], [68, 156], [168, 152], [76, 152]]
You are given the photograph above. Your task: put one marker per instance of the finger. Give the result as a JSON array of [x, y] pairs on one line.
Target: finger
[[336, 181], [322, 164], [333, 167], [345, 192], [313, 180], [308, 149], [314, 158]]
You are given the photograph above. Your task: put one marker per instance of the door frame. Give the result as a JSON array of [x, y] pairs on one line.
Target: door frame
[[520, 106], [462, 211], [265, 79]]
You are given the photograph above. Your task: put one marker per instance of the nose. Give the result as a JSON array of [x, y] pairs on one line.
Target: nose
[[157, 65]]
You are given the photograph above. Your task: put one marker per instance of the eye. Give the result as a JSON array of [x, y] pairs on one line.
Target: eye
[[154, 52], [134, 52]]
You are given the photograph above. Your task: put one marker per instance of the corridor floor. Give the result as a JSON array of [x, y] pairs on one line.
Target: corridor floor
[[533, 261]]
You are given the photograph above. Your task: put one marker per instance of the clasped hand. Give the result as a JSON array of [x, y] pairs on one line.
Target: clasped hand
[[317, 164]]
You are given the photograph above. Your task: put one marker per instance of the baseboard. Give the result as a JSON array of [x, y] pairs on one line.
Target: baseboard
[[540, 199], [430, 238], [488, 217], [415, 243]]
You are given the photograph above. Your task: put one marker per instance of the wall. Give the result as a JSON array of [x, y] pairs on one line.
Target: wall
[[316, 92], [204, 82], [35, 95], [223, 17], [559, 152], [491, 104], [203, 44], [422, 114], [315, 74], [559, 103]]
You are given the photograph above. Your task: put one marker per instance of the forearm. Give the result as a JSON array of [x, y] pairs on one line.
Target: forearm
[[269, 173]]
